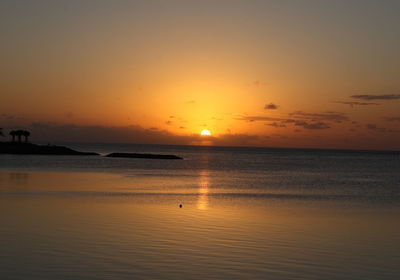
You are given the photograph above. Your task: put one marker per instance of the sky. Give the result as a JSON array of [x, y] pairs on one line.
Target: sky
[[308, 74]]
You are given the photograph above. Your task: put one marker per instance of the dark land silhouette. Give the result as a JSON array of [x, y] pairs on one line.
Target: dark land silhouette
[[22, 148], [18, 147]]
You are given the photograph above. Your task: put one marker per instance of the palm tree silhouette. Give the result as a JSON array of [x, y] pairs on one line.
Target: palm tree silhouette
[[18, 134], [13, 133], [26, 134]]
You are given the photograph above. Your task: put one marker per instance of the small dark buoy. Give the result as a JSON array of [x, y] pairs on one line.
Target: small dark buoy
[[180, 205]]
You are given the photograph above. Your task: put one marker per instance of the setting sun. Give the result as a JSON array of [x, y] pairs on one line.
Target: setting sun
[[205, 132]]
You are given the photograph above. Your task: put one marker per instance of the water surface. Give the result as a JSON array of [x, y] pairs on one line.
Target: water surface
[[247, 214]]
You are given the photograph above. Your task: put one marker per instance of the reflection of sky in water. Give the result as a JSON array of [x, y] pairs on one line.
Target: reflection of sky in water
[[81, 224], [245, 215]]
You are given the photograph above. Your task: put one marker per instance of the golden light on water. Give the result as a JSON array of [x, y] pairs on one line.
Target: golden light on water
[[205, 132], [202, 202]]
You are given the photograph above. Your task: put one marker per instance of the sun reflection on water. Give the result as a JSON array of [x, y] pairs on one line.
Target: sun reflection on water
[[204, 182]]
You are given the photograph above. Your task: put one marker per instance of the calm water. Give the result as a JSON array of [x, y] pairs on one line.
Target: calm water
[[247, 214]]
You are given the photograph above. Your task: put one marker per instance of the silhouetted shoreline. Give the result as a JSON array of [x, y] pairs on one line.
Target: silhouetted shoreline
[[16, 148], [21, 148]]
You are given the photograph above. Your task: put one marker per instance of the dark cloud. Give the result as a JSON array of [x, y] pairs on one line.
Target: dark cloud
[[356, 103], [258, 118], [7, 117], [259, 83], [175, 119], [376, 128], [275, 124], [376, 97], [327, 116], [271, 106], [302, 119], [315, 125], [392, 119], [312, 123]]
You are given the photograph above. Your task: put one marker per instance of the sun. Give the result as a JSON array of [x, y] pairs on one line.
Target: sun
[[205, 132]]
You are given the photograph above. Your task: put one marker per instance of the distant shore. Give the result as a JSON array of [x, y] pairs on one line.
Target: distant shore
[[24, 148], [21, 148]]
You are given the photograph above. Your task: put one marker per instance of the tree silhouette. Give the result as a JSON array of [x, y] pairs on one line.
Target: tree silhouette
[[1, 132], [13, 133], [18, 134], [26, 134]]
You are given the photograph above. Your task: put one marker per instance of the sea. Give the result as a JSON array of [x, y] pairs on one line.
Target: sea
[[220, 213]]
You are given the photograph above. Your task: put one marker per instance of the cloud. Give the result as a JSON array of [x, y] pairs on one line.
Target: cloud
[[281, 122], [258, 118], [377, 97], [191, 102], [376, 128], [8, 117], [355, 103], [392, 119], [271, 106], [315, 125], [327, 116], [259, 83], [275, 124], [300, 118]]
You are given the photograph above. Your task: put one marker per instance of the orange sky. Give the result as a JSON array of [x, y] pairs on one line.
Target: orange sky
[[313, 74]]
